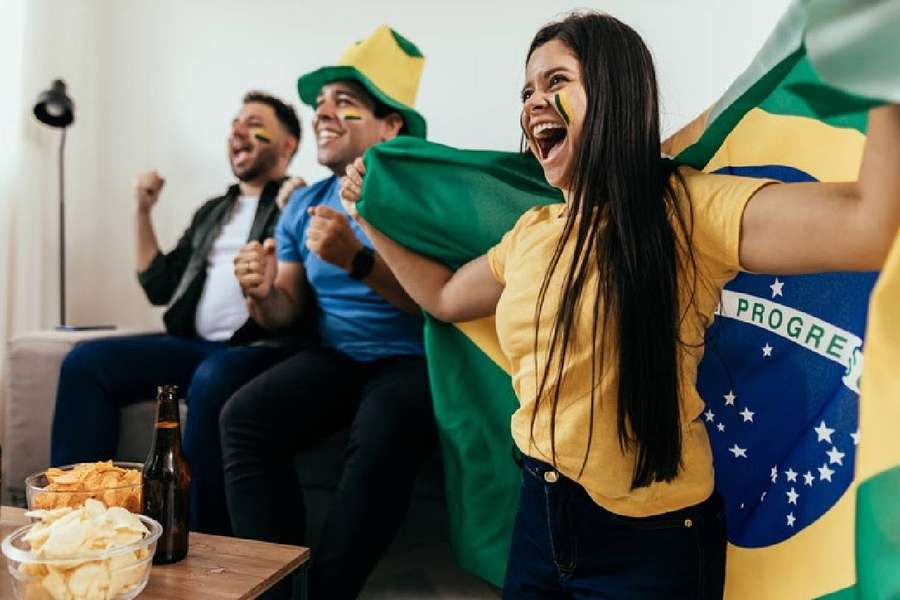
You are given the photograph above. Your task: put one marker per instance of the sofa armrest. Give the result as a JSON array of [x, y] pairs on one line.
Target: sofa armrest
[[33, 366]]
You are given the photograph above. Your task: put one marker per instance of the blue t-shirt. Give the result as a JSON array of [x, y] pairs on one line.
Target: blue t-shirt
[[352, 317]]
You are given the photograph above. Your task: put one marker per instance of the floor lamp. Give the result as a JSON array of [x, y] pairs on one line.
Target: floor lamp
[[55, 109]]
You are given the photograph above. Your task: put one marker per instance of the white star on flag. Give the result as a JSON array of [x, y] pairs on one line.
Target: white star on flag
[[835, 456], [792, 496], [721, 426], [776, 288], [738, 451], [790, 519], [767, 350], [825, 473], [791, 474], [762, 497], [729, 398], [747, 414], [855, 436], [808, 479], [710, 415], [823, 432], [774, 473]]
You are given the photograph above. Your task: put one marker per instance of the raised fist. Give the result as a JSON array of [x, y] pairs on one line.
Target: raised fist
[[147, 188]]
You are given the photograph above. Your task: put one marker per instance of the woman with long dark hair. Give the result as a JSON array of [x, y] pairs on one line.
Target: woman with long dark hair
[[601, 306]]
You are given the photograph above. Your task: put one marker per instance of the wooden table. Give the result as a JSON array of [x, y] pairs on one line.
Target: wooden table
[[216, 567]]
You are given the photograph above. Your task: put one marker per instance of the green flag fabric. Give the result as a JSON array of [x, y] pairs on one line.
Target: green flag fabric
[[454, 205]]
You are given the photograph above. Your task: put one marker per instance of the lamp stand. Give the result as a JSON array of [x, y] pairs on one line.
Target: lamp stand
[[63, 326]]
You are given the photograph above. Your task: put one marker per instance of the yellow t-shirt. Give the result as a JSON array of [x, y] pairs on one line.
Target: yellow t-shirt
[[520, 261]]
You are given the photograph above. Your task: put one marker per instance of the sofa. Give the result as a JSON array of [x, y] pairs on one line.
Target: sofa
[[33, 373]]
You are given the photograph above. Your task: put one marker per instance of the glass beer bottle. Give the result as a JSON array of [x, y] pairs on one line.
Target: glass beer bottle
[[167, 480]]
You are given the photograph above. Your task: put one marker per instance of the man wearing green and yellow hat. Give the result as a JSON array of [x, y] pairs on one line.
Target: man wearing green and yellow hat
[[369, 373]]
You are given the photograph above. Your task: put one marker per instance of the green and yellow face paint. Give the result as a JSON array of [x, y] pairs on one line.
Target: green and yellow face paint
[[351, 115], [561, 102], [262, 135]]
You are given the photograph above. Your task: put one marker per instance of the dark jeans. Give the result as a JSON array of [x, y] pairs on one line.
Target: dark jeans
[[566, 546], [297, 404], [99, 377]]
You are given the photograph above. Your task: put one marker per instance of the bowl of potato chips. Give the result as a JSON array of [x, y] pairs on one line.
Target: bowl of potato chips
[[93, 552], [113, 483]]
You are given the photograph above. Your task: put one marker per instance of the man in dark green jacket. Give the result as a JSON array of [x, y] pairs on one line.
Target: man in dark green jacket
[[212, 346]]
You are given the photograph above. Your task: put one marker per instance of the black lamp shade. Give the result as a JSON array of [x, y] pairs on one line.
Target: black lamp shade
[[54, 107]]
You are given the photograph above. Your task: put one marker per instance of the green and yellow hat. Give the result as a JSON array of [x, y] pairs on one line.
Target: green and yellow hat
[[387, 64]]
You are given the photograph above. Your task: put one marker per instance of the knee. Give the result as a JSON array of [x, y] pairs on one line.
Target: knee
[[236, 413], [209, 379], [83, 359]]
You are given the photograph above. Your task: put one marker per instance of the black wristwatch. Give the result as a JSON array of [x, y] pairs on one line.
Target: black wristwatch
[[362, 264]]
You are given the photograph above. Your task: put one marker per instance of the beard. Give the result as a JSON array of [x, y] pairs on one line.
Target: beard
[[265, 161]]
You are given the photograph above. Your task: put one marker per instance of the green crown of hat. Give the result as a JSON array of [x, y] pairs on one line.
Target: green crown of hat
[[387, 64]]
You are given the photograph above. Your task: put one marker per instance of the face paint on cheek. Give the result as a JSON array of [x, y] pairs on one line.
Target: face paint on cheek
[[262, 135], [351, 115], [561, 101]]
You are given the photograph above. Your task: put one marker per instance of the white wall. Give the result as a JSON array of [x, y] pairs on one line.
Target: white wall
[[157, 82]]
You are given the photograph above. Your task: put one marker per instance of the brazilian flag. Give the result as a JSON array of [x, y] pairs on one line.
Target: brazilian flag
[[809, 472]]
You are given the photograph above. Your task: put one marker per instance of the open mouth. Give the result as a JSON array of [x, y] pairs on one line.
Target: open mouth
[[241, 152], [548, 137], [324, 136]]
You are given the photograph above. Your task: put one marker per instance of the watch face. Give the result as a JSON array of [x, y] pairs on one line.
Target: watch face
[[363, 262]]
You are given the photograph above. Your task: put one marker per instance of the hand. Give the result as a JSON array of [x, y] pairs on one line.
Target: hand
[[351, 186], [147, 188], [287, 188], [255, 266], [329, 235]]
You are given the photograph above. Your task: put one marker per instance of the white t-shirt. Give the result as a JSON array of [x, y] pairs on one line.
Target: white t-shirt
[[222, 309]]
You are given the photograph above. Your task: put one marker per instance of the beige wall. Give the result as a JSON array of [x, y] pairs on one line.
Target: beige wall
[[157, 82]]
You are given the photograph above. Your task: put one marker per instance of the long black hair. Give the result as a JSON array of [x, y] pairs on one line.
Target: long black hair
[[621, 221]]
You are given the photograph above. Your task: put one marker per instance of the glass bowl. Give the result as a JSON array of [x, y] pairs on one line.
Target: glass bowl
[[127, 496], [124, 570]]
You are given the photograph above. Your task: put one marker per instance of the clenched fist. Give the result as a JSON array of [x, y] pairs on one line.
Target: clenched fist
[[147, 188], [329, 235], [255, 266]]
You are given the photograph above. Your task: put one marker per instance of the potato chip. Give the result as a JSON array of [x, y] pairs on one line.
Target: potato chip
[[103, 481], [77, 540]]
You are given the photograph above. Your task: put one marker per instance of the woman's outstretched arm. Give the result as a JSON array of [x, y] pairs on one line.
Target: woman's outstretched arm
[[812, 227]]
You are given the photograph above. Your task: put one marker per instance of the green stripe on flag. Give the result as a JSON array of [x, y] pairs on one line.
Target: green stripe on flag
[[877, 540], [791, 88], [700, 153], [878, 536], [473, 402]]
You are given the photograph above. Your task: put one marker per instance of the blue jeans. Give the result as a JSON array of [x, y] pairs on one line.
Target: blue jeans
[[99, 377], [565, 545]]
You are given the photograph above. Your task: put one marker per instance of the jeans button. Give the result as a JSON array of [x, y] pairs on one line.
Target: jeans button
[[551, 476], [688, 523]]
